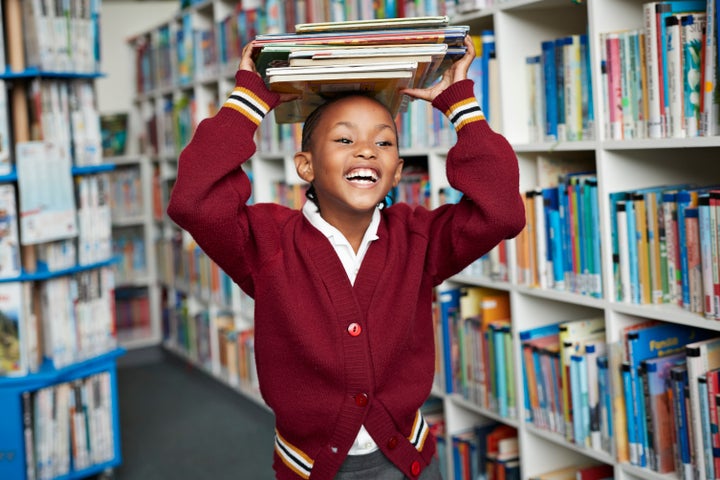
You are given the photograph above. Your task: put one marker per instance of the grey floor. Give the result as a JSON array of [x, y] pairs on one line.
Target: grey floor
[[178, 423]]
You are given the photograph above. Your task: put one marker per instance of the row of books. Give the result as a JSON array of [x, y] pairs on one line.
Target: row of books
[[55, 36], [57, 322], [187, 49], [93, 213], [183, 264], [560, 247], [130, 249], [68, 427], [491, 266], [126, 193], [565, 378], [132, 313], [560, 91], [235, 350], [665, 246], [590, 471], [659, 80], [473, 324], [487, 451], [669, 427]]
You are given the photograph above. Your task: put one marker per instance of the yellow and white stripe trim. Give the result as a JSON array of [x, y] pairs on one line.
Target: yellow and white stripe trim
[[293, 457], [419, 432], [464, 112], [247, 103]]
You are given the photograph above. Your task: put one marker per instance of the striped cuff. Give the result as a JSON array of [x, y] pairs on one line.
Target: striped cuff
[[419, 432], [246, 102], [464, 112], [295, 459]]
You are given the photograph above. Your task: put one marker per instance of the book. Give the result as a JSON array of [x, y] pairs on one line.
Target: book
[[281, 54], [374, 24], [316, 88], [660, 409], [683, 435], [13, 360], [114, 132]]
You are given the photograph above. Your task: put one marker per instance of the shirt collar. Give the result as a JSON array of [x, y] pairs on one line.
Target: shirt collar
[[311, 212]]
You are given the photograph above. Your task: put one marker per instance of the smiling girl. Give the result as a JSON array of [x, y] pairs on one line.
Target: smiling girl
[[343, 288]]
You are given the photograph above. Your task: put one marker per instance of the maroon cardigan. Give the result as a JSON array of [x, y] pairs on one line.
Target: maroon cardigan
[[332, 356]]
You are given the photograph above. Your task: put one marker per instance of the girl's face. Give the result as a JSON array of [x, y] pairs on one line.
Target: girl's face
[[353, 160]]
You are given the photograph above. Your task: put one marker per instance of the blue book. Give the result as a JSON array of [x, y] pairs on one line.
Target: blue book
[[631, 424], [588, 110], [552, 235], [526, 336], [633, 252], [560, 44], [684, 200], [449, 315], [642, 432], [681, 398], [551, 94], [605, 404], [705, 422], [488, 52], [500, 361]]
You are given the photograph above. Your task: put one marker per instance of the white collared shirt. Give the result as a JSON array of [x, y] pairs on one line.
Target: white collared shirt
[[351, 261]]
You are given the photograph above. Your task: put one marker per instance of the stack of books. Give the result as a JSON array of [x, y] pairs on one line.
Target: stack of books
[[377, 57]]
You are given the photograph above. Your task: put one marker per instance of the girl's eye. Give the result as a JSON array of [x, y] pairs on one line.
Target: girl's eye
[[344, 140], [385, 143]]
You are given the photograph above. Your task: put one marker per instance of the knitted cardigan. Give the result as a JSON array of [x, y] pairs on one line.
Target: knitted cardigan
[[332, 356]]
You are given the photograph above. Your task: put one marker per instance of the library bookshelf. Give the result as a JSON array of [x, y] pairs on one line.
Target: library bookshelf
[[58, 390], [209, 321]]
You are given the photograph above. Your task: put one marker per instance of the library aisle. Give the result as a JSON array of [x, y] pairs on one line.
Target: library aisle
[[178, 423]]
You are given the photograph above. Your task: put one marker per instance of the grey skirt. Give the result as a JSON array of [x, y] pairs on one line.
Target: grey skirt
[[375, 466]]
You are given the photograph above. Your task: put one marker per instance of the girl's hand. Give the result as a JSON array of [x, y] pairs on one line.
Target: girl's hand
[[456, 72], [246, 61], [248, 64]]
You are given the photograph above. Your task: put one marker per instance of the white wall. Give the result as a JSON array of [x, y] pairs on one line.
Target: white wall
[[120, 20]]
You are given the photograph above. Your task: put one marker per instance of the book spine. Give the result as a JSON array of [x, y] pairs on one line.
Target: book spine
[[692, 34], [675, 90], [615, 91], [654, 121]]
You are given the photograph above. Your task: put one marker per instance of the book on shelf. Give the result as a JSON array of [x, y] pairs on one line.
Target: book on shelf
[[114, 130]]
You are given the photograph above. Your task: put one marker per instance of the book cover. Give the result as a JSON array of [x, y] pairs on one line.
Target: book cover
[[660, 409], [13, 351], [114, 131], [374, 24], [10, 264]]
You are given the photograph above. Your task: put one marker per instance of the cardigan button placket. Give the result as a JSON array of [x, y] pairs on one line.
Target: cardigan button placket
[[415, 468], [392, 442]]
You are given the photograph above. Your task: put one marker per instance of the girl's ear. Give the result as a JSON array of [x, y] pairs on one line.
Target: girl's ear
[[398, 172], [303, 166]]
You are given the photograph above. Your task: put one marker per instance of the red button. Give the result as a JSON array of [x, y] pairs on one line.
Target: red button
[[361, 399], [415, 468], [392, 443], [354, 329]]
